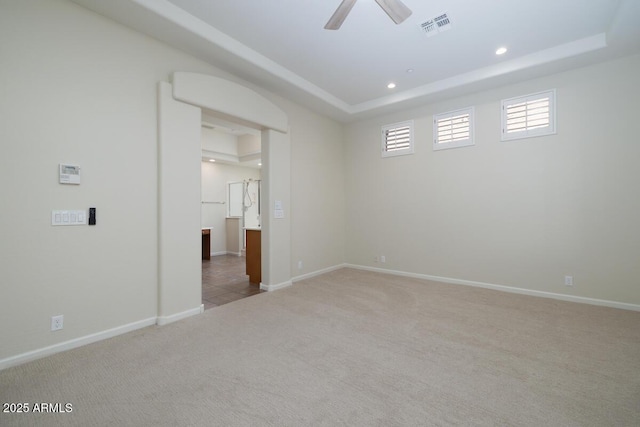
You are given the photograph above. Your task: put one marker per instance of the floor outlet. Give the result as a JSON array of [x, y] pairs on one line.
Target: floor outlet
[[568, 280], [57, 322]]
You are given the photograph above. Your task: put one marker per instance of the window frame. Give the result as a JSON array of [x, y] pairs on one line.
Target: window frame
[[528, 133], [402, 151], [454, 144]]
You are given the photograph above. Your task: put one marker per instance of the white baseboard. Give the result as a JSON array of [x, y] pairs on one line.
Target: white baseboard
[[270, 288], [318, 272], [165, 320], [74, 343], [98, 336], [301, 277], [543, 294]]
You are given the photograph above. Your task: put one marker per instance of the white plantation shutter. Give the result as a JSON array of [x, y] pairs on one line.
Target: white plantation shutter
[[453, 129], [397, 139], [528, 116]]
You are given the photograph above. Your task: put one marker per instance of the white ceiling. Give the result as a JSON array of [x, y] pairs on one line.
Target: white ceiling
[[230, 143], [282, 45]]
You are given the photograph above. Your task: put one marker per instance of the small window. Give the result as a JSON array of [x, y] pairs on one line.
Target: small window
[[453, 129], [397, 139], [528, 116]]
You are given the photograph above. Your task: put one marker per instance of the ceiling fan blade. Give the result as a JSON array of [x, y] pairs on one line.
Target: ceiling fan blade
[[340, 15], [395, 9]]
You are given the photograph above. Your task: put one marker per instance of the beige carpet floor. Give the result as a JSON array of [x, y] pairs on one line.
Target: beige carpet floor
[[352, 348]]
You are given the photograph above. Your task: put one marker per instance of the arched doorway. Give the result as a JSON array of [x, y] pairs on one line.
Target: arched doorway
[[179, 154]]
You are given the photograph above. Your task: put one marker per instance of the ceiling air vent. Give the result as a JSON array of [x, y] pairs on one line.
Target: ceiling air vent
[[436, 25]]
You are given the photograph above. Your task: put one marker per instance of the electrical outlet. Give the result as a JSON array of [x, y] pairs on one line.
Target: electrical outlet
[[568, 280], [383, 259], [57, 322], [299, 265]]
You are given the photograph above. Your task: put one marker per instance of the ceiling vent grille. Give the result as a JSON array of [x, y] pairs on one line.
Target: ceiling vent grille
[[436, 25]]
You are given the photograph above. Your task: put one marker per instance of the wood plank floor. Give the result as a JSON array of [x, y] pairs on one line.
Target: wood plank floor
[[224, 281]]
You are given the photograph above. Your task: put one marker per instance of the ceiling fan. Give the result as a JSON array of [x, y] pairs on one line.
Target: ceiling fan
[[394, 8]]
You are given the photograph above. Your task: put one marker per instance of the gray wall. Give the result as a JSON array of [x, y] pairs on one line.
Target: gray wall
[[523, 213], [79, 88]]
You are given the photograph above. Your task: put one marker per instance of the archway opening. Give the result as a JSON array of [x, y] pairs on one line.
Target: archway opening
[[180, 105]]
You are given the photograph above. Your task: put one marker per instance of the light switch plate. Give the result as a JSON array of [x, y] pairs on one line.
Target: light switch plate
[[68, 218]]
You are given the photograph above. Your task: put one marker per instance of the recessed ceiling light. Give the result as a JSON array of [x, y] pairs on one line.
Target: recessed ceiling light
[[391, 85], [409, 70], [501, 51], [212, 160], [259, 164]]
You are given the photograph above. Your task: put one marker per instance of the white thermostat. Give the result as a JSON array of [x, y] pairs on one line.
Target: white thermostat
[[69, 174]]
